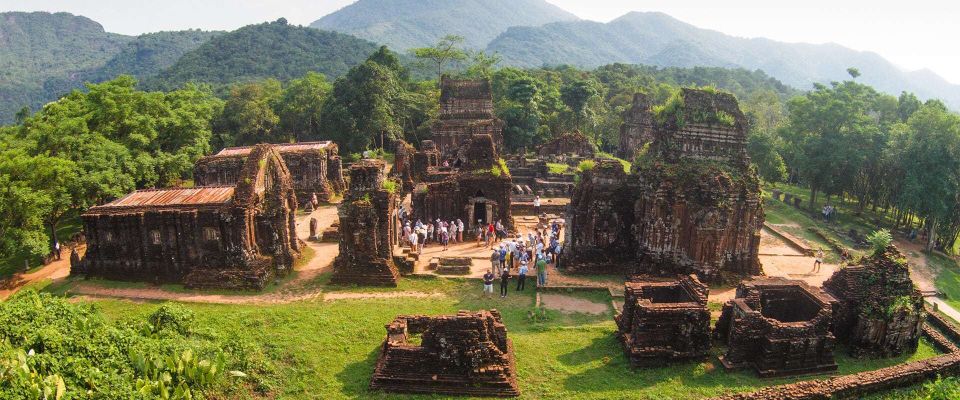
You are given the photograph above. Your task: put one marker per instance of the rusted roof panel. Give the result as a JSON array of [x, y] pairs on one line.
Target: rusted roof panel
[[282, 147], [173, 197]]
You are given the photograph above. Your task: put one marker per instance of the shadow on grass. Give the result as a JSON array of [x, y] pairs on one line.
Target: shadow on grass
[[355, 377]]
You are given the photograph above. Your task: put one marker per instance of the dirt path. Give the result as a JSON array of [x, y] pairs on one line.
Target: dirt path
[[570, 304], [59, 269]]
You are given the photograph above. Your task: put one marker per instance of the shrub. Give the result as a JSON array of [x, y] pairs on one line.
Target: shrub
[[586, 165], [171, 316], [879, 240], [391, 186]]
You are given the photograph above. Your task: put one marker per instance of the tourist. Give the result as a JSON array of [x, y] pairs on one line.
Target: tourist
[[818, 261], [479, 232], [508, 259], [406, 232], [541, 272], [536, 205], [488, 284], [494, 259], [421, 237], [522, 276], [504, 282], [459, 230], [501, 233], [558, 253], [430, 232], [413, 242], [313, 199], [490, 231], [444, 237]]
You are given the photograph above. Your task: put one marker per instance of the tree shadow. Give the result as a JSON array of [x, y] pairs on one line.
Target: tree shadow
[[355, 377]]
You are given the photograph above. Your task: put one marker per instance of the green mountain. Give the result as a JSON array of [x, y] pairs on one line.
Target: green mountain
[[40, 46], [148, 54], [658, 39], [402, 24], [267, 50], [44, 55]]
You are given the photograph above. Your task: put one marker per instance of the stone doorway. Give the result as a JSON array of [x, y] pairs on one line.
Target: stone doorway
[[480, 212]]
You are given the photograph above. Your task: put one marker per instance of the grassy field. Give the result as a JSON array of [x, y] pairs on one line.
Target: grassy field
[[327, 350]]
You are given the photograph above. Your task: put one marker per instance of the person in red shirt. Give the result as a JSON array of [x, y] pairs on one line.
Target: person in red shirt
[[490, 234]]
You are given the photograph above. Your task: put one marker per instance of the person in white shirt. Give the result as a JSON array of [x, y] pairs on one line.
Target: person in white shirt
[[413, 242], [536, 205]]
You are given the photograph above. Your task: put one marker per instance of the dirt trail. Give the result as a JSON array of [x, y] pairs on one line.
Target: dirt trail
[[570, 304], [56, 270]]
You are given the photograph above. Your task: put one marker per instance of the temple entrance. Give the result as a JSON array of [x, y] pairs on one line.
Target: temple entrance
[[480, 212]]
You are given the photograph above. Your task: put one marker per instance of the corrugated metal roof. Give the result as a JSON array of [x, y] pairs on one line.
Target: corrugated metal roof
[[173, 197], [282, 147]]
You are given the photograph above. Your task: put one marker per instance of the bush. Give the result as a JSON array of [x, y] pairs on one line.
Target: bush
[[171, 316], [586, 165], [879, 240], [51, 348], [391, 186]]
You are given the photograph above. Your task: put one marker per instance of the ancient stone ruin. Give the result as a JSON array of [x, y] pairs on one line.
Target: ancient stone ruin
[[464, 354], [237, 236], [880, 313], [410, 165], [367, 228], [637, 128], [571, 144], [778, 327], [691, 203], [315, 168], [466, 110], [664, 321], [476, 189]]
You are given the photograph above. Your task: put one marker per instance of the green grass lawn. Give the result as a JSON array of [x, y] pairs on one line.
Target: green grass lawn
[[327, 350]]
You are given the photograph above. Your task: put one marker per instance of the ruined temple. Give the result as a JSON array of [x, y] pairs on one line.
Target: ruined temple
[[463, 354], [571, 143], [880, 313], [664, 321], [690, 205], [637, 128], [367, 228], [236, 236], [466, 110], [778, 327], [315, 167], [410, 165], [476, 189]]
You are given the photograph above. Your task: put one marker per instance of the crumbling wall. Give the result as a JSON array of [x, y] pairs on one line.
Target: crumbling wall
[[880, 313], [466, 110], [664, 321], [681, 210], [778, 327], [862, 384], [477, 188], [574, 143], [367, 227], [637, 128], [243, 240], [463, 354]]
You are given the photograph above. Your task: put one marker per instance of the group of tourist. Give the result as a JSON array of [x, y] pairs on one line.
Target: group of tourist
[[828, 212], [538, 247]]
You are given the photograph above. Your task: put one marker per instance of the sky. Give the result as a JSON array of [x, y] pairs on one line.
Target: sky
[[914, 35]]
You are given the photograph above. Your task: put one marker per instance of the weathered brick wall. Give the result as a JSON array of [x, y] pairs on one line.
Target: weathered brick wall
[[865, 383], [637, 128], [466, 110], [169, 243], [568, 143], [778, 327], [463, 354], [880, 313], [367, 229], [664, 321]]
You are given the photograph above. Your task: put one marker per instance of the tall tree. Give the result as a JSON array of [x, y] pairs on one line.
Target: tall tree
[[445, 51], [249, 117], [300, 108], [577, 95]]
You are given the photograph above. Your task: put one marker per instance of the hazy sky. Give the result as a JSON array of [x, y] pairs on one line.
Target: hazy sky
[[915, 34]]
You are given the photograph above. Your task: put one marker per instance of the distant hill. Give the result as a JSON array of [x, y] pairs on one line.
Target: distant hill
[[403, 24], [658, 39], [269, 50], [37, 47], [148, 54]]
